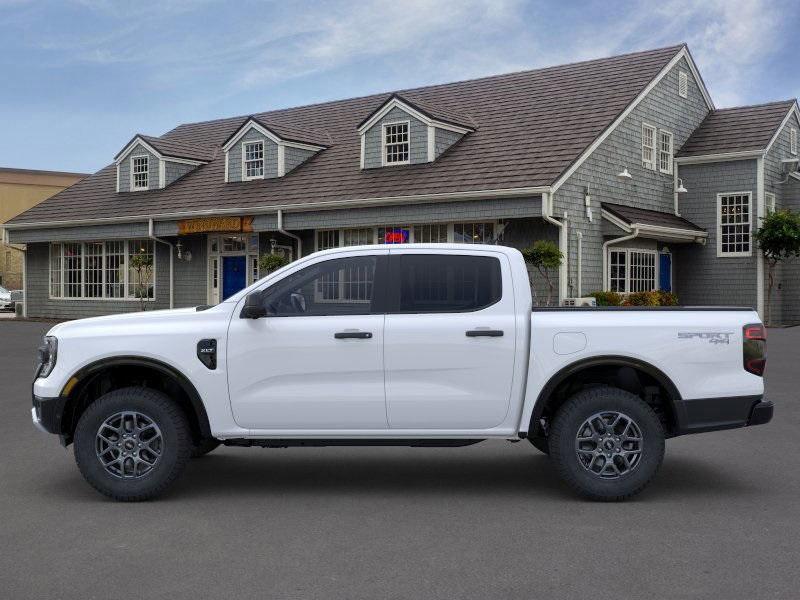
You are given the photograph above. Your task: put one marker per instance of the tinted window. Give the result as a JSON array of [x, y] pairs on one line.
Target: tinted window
[[442, 283], [342, 286]]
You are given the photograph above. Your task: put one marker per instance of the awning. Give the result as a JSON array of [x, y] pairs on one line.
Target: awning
[[653, 224]]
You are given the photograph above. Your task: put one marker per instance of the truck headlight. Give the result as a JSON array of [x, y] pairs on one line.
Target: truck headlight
[[48, 353]]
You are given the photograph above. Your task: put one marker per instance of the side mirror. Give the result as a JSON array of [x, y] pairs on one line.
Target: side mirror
[[253, 307]]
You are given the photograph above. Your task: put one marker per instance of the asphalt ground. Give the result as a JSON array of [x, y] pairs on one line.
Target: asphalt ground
[[721, 520]]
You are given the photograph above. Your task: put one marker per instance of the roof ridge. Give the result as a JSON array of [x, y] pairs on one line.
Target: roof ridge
[[676, 48], [787, 102]]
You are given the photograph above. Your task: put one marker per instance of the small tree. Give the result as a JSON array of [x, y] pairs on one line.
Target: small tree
[[779, 239], [268, 263], [142, 265], [545, 256]]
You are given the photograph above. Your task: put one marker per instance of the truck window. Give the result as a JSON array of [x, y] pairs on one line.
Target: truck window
[[342, 286], [446, 283]]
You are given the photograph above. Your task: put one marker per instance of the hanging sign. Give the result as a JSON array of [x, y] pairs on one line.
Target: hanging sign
[[216, 224]]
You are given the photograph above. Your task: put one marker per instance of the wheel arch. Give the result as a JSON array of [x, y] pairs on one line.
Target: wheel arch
[[617, 368], [114, 372]]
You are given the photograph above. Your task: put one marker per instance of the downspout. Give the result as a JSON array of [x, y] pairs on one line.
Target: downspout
[[605, 252], [152, 236], [580, 261], [547, 211], [290, 235], [675, 197]]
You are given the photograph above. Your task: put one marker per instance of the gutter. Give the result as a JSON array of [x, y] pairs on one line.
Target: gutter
[[290, 235], [152, 236], [618, 240], [563, 243]]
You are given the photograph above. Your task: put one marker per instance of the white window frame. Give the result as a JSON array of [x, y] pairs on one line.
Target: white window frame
[[793, 141], [263, 160], [769, 202], [720, 253], [649, 164], [683, 84], [665, 155], [133, 159], [104, 298], [628, 251], [384, 126], [340, 232]]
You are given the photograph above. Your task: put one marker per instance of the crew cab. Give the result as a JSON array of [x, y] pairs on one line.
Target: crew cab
[[416, 345]]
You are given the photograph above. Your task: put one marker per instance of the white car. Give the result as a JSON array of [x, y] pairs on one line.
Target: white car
[[5, 299], [416, 345]]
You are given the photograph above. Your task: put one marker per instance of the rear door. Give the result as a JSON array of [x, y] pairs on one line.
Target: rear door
[[449, 339]]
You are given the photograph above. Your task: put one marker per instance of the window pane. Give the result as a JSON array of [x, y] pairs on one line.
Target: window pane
[[327, 239], [430, 234], [55, 270], [357, 237], [343, 286], [473, 233], [734, 221], [642, 271], [397, 146], [115, 269], [93, 270], [73, 270], [394, 235], [441, 283], [254, 159], [140, 169]]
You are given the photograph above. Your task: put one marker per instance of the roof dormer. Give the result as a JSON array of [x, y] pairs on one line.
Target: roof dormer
[[260, 150], [405, 131], [151, 163]]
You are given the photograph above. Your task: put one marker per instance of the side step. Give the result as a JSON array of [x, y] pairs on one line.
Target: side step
[[313, 442]]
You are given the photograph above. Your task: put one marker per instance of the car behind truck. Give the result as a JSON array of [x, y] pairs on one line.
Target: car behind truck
[[415, 345]]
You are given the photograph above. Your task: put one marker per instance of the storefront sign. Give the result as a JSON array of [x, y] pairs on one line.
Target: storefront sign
[[211, 224]]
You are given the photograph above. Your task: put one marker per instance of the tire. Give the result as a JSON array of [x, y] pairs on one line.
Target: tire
[[541, 444], [205, 446], [589, 470], [145, 443]]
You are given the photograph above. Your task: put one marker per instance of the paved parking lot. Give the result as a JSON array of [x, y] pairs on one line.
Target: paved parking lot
[[722, 519]]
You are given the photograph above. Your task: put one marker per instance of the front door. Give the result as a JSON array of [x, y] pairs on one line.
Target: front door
[[234, 275], [449, 340], [316, 361], [665, 272]]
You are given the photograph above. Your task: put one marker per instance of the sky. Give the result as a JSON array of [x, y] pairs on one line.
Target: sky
[[81, 77]]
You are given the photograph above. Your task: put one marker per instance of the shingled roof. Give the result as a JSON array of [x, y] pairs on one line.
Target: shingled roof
[[640, 216], [530, 127], [739, 129], [174, 148]]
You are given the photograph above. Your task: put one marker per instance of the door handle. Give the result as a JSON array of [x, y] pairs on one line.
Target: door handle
[[485, 333], [357, 335]]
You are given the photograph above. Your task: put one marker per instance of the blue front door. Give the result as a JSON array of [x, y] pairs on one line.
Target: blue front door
[[234, 275], [665, 272]]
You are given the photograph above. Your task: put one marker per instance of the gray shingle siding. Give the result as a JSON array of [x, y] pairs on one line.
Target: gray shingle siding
[[521, 233], [270, 156], [191, 278], [88, 233], [40, 305], [175, 170], [649, 189], [125, 169], [294, 157], [418, 138], [705, 278], [443, 139], [786, 288]]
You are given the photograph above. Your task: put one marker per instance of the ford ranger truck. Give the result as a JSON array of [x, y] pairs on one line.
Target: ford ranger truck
[[410, 345]]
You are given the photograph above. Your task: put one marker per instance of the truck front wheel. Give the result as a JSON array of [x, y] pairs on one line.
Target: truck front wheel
[[131, 443], [606, 443]]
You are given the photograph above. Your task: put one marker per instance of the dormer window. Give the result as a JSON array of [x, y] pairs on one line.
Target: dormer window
[[253, 160], [396, 148], [140, 169]]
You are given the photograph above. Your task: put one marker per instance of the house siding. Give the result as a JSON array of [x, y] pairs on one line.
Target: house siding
[[191, 277], [294, 157], [443, 139], [418, 139], [648, 189], [174, 171], [708, 279], [270, 156], [125, 168], [786, 287], [87, 233]]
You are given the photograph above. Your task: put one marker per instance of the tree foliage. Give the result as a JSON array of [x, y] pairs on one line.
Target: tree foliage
[[778, 237], [142, 265], [267, 263], [545, 256]]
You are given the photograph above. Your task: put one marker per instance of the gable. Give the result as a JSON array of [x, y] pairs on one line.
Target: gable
[[124, 166]]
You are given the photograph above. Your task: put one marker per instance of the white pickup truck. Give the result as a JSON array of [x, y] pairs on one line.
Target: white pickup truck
[[416, 345]]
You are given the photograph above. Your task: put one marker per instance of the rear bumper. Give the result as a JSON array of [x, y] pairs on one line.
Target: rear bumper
[[713, 414]]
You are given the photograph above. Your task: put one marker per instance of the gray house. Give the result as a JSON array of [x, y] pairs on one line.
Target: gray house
[[623, 161]]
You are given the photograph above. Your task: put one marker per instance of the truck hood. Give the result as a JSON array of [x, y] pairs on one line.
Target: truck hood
[[124, 323]]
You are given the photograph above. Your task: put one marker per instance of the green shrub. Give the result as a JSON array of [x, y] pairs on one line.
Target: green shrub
[[643, 299], [267, 263], [607, 298], [667, 298]]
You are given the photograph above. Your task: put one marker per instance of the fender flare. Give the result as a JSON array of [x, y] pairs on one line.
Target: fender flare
[[675, 400], [85, 374]]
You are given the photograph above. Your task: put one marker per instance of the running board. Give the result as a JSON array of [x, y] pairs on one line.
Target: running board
[[313, 442]]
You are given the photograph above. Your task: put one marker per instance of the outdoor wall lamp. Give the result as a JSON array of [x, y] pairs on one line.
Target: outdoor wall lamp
[[624, 175], [186, 256], [680, 189], [587, 200]]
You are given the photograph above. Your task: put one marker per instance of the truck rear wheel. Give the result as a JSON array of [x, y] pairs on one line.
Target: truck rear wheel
[[131, 443], [606, 443]]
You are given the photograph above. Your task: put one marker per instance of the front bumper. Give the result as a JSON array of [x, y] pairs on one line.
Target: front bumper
[[47, 413], [713, 414]]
